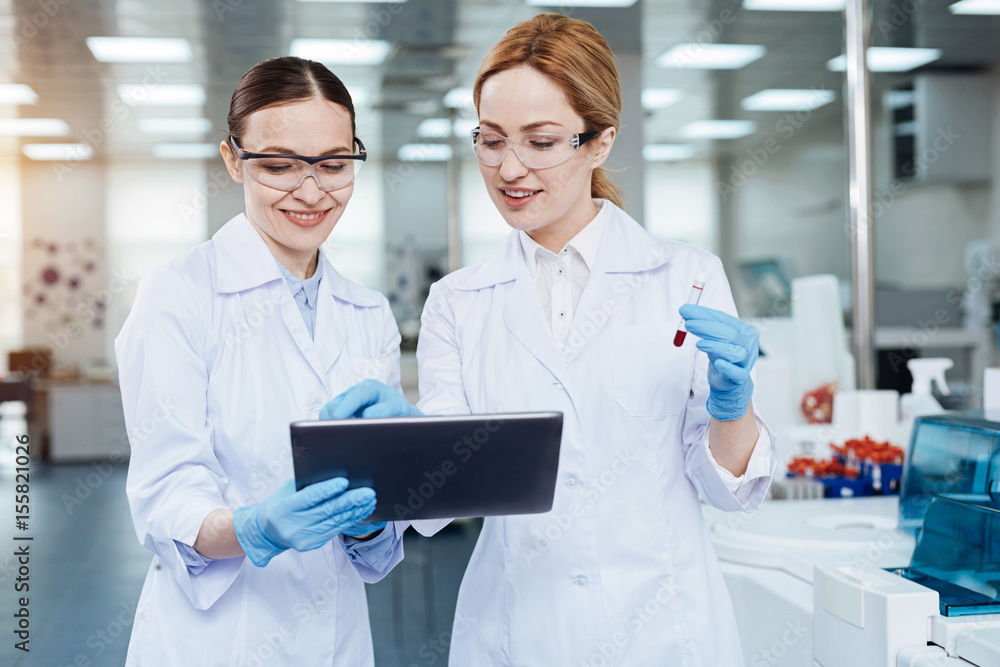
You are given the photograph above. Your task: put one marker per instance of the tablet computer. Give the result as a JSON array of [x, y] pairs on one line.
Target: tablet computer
[[437, 467]]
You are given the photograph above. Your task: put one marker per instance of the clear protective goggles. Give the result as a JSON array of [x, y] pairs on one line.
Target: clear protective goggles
[[289, 172], [535, 150]]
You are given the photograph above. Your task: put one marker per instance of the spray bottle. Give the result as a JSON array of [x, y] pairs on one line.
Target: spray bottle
[[920, 401]]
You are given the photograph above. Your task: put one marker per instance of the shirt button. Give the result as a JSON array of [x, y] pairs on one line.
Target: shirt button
[[562, 314], [571, 482], [581, 580]]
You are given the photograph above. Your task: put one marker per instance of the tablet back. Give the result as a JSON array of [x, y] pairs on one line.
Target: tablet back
[[437, 467]]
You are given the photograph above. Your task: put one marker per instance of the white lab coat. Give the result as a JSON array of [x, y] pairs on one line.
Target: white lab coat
[[215, 362], [621, 571]]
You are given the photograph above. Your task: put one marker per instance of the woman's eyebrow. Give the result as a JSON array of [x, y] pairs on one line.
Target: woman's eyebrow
[[524, 128], [340, 150]]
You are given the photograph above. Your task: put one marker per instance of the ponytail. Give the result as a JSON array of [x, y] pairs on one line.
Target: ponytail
[[602, 187]]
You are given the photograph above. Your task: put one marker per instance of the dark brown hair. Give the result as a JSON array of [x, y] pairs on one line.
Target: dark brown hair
[[284, 80], [577, 59]]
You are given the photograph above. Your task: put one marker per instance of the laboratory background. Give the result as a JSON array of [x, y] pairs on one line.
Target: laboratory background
[[855, 207]]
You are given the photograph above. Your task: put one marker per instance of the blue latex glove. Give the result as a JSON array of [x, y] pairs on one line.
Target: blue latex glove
[[731, 346], [369, 399], [300, 520]]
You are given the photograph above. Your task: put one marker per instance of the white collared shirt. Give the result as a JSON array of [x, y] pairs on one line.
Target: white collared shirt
[[560, 278]]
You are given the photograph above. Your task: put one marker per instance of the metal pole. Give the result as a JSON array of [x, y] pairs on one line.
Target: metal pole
[[860, 189], [454, 229]]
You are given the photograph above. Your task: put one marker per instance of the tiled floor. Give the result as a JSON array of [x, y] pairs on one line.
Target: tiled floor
[[87, 569]]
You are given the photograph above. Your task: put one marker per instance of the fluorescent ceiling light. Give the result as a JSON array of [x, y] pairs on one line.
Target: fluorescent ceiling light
[[140, 49], [17, 93], [424, 153], [795, 5], [975, 7], [788, 100], [345, 1], [889, 59], [459, 98], [186, 151], [711, 56], [580, 3], [718, 129], [175, 125], [33, 127], [434, 128], [342, 51], [667, 152], [897, 99], [162, 94], [58, 151], [660, 98], [464, 126]]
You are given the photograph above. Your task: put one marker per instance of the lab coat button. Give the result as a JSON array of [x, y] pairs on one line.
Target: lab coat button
[[571, 482], [581, 580]]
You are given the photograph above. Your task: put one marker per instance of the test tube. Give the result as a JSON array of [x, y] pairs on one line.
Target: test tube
[[694, 297]]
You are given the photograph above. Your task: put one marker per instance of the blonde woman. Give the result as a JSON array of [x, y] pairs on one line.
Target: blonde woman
[[577, 312]]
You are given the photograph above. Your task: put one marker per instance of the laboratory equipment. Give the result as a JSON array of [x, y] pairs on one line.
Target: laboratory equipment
[[943, 608], [693, 298]]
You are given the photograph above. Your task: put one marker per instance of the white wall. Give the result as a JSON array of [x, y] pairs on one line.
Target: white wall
[[681, 203], [10, 259]]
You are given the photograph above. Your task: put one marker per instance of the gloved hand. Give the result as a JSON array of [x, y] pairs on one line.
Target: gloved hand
[[364, 527], [300, 520], [731, 346], [369, 399]]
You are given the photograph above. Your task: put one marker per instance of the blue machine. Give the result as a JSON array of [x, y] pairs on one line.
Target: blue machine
[[950, 499]]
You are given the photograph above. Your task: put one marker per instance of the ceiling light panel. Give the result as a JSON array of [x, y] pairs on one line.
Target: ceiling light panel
[[175, 125], [975, 7], [580, 3], [795, 5], [889, 59], [667, 152], [711, 56], [33, 127], [459, 98], [718, 129], [162, 94], [58, 151], [342, 51], [140, 49], [775, 99], [186, 151], [660, 98], [17, 93], [424, 153]]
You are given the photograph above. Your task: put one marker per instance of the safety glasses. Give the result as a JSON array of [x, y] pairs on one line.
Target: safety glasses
[[535, 150], [289, 172]]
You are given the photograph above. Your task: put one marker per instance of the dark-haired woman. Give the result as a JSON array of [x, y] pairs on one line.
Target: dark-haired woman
[[223, 348]]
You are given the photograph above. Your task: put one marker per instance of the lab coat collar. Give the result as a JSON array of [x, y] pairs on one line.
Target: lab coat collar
[[243, 261], [625, 247]]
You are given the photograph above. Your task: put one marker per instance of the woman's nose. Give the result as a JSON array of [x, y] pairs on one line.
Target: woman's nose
[[512, 168]]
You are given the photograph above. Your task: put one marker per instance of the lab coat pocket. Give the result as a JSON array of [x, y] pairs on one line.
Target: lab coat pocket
[[370, 368], [652, 377]]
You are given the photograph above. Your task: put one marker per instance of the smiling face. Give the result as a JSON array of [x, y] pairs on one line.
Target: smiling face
[[294, 224], [551, 204]]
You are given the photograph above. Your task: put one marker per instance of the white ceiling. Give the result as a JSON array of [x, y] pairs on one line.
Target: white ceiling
[[438, 44]]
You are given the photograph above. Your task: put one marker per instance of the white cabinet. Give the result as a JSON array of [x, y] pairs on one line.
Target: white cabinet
[[86, 422]]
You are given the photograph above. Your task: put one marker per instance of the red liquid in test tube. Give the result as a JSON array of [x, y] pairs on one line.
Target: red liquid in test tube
[[694, 297]]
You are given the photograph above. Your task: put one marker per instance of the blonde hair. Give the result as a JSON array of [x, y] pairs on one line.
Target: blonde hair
[[577, 59]]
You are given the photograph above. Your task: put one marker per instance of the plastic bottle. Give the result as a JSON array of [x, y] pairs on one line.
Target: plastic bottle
[[920, 401]]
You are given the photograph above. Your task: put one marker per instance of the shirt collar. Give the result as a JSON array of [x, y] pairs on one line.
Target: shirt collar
[[310, 285], [586, 242]]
